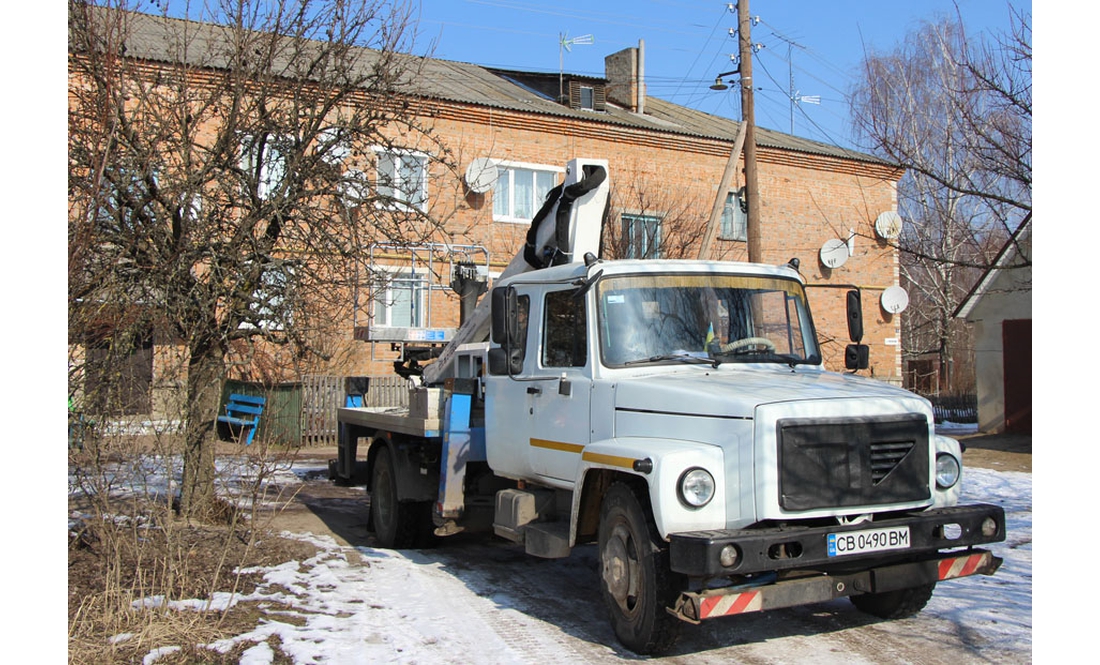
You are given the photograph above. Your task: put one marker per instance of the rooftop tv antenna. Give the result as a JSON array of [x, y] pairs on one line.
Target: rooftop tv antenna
[[794, 95], [565, 43]]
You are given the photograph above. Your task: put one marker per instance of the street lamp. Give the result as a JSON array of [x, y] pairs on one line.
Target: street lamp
[[718, 84]]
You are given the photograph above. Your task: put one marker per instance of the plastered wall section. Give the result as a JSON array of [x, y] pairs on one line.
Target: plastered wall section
[[1009, 297]]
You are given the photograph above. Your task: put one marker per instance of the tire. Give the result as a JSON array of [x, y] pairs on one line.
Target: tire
[[894, 604], [635, 580], [396, 524]]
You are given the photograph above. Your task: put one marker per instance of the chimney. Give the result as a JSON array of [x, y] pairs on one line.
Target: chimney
[[625, 74]]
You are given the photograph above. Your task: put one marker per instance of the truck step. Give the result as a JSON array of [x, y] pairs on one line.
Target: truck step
[[549, 540]]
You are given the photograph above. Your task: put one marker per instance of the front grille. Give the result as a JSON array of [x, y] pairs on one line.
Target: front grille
[[841, 462], [886, 456]]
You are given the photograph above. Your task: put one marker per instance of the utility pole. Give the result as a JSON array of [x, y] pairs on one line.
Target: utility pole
[[748, 116]]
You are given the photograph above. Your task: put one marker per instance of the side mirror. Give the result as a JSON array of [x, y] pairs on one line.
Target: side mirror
[[857, 356], [504, 330], [505, 316], [855, 316], [505, 361]]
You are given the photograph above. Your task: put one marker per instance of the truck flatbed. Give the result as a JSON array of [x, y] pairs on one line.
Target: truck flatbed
[[391, 419]]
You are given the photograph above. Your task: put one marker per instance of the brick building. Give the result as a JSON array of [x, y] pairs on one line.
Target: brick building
[[511, 134]]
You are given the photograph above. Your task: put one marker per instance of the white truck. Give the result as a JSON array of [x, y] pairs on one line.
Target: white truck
[[677, 414]]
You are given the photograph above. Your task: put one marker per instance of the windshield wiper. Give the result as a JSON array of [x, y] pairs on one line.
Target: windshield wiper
[[743, 355], [683, 357]]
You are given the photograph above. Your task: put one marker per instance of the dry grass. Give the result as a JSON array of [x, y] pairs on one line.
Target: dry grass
[[131, 546], [110, 572]]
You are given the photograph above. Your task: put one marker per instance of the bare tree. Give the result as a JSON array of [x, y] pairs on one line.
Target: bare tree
[[956, 114], [650, 219], [224, 176]]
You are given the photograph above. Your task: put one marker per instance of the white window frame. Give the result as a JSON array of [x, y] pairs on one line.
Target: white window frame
[[627, 222], [401, 195], [383, 298], [506, 172]]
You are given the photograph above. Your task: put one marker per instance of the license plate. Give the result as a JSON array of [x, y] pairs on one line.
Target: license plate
[[869, 540]]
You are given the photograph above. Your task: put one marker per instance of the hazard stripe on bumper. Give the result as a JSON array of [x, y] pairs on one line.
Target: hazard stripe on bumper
[[963, 566], [739, 603]]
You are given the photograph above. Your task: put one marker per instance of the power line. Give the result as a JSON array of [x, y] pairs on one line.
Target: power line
[[700, 53]]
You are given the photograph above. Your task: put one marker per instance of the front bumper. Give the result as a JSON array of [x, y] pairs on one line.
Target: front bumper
[[696, 553], [695, 606]]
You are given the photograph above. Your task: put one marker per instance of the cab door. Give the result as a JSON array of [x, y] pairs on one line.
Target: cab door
[[561, 394]]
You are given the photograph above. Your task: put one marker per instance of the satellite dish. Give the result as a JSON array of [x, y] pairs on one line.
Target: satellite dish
[[888, 225], [481, 174], [834, 253], [894, 299]]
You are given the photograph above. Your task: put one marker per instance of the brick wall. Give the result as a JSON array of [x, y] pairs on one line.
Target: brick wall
[[806, 200]]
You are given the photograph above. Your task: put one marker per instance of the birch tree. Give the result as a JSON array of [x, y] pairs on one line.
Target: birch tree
[[955, 112]]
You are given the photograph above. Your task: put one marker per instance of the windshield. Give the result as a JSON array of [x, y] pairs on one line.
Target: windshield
[[704, 318]]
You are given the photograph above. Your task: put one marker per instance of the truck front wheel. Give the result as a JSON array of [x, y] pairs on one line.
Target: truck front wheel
[[397, 524], [894, 604], [635, 580]]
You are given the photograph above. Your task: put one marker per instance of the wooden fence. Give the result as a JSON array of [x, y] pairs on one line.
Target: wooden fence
[[322, 395], [387, 391]]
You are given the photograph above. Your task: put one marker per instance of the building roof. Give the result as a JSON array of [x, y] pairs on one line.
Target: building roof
[[152, 38], [1015, 252]]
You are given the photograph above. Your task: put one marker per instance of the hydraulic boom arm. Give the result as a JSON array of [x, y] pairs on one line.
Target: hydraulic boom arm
[[567, 227]]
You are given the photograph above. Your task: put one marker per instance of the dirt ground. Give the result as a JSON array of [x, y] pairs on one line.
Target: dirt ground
[[1000, 452]]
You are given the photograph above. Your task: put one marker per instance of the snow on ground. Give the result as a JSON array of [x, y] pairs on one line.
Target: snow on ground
[[490, 603]]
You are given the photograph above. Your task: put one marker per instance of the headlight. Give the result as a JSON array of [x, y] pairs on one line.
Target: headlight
[[947, 471], [696, 487]]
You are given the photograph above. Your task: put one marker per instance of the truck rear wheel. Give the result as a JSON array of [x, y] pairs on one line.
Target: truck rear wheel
[[894, 604], [397, 524], [635, 580]]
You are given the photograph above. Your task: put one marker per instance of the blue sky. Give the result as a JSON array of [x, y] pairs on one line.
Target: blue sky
[[688, 43]]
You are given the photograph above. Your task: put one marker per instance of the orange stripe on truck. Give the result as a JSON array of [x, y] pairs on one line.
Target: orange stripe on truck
[[576, 448], [609, 460], [557, 445]]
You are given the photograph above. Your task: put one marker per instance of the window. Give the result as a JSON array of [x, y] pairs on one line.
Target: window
[[403, 176], [722, 317], [641, 236], [520, 191], [734, 215], [264, 163], [566, 342], [399, 302], [270, 307], [588, 97]]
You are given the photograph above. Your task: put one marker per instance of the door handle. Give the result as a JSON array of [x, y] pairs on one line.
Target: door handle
[[532, 390]]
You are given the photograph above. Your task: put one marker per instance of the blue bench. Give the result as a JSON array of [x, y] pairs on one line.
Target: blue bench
[[243, 411]]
